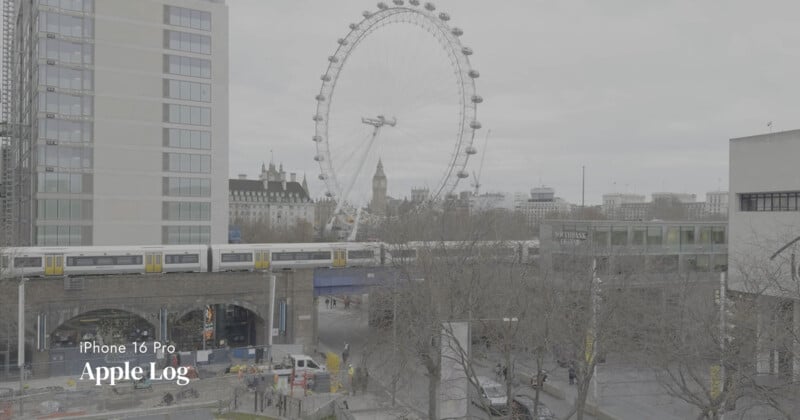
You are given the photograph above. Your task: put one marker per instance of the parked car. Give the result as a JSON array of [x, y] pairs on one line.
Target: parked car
[[490, 395], [522, 409]]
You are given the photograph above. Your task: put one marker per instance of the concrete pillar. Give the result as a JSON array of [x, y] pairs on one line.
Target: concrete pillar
[[762, 340], [796, 342]]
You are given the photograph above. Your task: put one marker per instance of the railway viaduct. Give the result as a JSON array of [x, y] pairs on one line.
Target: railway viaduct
[[57, 300]]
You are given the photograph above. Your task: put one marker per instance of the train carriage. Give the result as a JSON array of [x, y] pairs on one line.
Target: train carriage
[[66, 261]]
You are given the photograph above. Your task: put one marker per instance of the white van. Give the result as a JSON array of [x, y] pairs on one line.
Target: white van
[[490, 395]]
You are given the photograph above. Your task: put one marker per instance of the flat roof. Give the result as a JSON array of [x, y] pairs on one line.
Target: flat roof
[[766, 136]]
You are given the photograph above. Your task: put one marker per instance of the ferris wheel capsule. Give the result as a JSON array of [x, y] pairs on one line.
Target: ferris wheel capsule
[[322, 177], [325, 78], [471, 150], [382, 6], [476, 99], [342, 41], [474, 74], [320, 97], [444, 16], [317, 117], [317, 139], [333, 59], [319, 158], [398, 2], [366, 14], [353, 26], [466, 51], [475, 125], [457, 31], [430, 7], [413, 2], [462, 174]]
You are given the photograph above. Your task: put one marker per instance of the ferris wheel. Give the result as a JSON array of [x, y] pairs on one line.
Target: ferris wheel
[[399, 89]]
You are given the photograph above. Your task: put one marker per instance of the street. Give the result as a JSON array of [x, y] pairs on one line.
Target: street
[[338, 326]]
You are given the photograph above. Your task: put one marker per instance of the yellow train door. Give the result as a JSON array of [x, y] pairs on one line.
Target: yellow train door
[[262, 260], [153, 263], [53, 265], [339, 257]]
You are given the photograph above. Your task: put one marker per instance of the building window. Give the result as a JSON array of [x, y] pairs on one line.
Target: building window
[[654, 235], [187, 66], [177, 235], [186, 114], [637, 236], [187, 139], [65, 78], [59, 182], [174, 210], [619, 236], [673, 236], [185, 162], [187, 187], [63, 235], [188, 18], [784, 201], [65, 104], [687, 235], [73, 5], [188, 91], [65, 157], [65, 131], [63, 209], [185, 41], [66, 25], [66, 52]]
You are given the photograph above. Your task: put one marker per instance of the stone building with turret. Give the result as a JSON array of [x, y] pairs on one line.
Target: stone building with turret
[[272, 199]]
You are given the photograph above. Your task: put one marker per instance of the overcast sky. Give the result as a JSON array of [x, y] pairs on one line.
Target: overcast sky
[[644, 94]]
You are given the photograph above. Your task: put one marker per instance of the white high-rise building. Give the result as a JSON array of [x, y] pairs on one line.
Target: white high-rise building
[[122, 115]]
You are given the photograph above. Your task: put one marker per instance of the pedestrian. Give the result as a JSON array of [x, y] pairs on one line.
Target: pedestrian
[[505, 372], [572, 375], [333, 300], [350, 373], [345, 353], [364, 379], [327, 303]]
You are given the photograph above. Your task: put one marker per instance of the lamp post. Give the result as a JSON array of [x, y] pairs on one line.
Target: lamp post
[[592, 357], [21, 342]]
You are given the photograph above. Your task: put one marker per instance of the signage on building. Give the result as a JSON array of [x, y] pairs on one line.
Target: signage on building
[[569, 238]]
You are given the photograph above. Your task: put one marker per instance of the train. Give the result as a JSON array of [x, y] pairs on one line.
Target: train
[[162, 259]]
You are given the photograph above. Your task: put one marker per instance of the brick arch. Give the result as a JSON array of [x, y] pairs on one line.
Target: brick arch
[[54, 322], [253, 308]]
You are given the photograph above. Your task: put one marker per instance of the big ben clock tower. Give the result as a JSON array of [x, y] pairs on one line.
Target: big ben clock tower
[[378, 204]]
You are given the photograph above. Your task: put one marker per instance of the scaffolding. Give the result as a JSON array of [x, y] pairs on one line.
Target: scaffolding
[[7, 127]]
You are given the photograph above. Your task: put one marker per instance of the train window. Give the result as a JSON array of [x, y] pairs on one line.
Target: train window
[[283, 256], [300, 256], [182, 259], [533, 251], [80, 261], [27, 262], [4, 261], [404, 253], [104, 260], [360, 254], [128, 260], [240, 257]]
